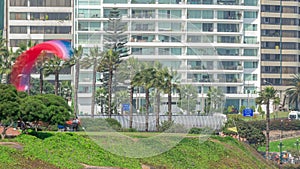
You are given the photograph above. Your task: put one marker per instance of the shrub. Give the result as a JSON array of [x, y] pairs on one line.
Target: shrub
[[171, 127], [114, 124], [196, 130], [128, 130]]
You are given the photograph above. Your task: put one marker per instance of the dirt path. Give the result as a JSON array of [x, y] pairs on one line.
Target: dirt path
[[13, 145], [98, 167]]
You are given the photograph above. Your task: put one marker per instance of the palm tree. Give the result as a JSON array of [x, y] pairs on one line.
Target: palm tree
[[75, 60], [127, 70], [168, 79], [101, 95], [265, 96], [215, 97], [145, 78], [109, 62], [121, 97], [294, 91], [188, 97], [40, 67], [92, 60], [53, 66]]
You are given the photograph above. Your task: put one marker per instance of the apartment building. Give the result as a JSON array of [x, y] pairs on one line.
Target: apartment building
[[38, 21], [1, 15], [279, 42], [208, 42]]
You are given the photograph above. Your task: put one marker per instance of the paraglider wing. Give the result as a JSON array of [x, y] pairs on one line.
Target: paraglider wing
[[21, 69]]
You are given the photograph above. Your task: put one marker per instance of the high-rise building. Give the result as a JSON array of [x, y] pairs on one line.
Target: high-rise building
[[1, 15], [279, 43], [38, 21], [209, 42]]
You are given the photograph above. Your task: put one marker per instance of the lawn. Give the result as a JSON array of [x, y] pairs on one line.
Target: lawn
[[288, 144], [272, 116]]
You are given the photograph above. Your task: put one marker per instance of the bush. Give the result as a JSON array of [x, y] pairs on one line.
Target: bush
[[196, 130], [128, 130], [171, 127], [276, 124], [254, 136], [98, 124], [113, 123]]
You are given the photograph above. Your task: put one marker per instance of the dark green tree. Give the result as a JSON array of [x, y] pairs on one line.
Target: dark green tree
[[32, 110], [57, 109], [9, 106]]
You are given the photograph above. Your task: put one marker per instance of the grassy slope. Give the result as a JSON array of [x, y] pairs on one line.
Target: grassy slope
[[69, 150]]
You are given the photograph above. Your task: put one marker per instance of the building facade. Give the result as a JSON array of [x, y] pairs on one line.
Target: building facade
[[1, 15], [279, 43], [208, 42], [38, 21]]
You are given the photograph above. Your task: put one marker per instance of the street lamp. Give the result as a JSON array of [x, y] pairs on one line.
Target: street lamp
[[280, 144], [297, 144]]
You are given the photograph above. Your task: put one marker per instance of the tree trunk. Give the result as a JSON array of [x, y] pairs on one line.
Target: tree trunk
[[147, 110], [131, 106], [170, 105], [268, 130], [109, 92], [157, 108], [76, 87], [56, 81], [3, 134], [283, 103], [41, 80], [94, 88], [29, 81]]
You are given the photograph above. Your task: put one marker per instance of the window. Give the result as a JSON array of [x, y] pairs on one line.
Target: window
[[207, 27], [18, 29], [18, 16], [250, 27], [250, 40], [250, 14], [250, 52], [250, 77], [18, 2], [250, 65]]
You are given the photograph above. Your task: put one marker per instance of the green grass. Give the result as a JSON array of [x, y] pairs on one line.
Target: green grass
[[288, 144], [69, 150], [272, 116]]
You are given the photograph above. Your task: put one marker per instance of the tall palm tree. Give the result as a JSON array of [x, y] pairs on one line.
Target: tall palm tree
[[101, 94], [53, 65], [75, 60], [146, 79], [168, 79], [215, 97], [39, 65], [188, 97], [294, 91], [265, 96], [109, 62], [92, 60], [125, 72], [4, 53]]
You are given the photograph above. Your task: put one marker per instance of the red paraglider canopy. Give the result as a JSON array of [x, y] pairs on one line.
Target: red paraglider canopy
[[21, 69]]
